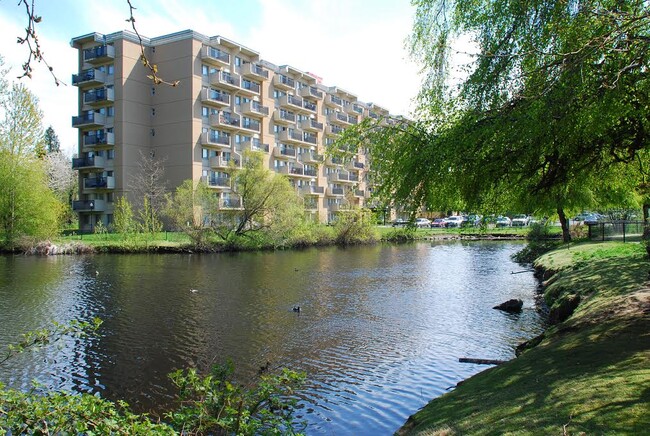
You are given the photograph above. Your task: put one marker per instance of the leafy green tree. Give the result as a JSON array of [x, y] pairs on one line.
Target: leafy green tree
[[188, 207], [148, 188], [27, 206], [123, 219]]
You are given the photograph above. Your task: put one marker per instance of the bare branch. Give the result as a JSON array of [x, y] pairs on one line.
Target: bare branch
[[157, 80], [33, 44]]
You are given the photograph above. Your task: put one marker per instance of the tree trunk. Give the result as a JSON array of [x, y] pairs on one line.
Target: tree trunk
[[564, 222], [646, 206]]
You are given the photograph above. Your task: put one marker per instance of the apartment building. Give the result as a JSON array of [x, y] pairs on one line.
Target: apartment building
[[228, 101]]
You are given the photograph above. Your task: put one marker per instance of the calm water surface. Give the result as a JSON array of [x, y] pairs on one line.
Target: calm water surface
[[379, 334]]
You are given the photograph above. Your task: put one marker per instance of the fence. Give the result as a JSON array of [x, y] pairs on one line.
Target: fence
[[616, 231]]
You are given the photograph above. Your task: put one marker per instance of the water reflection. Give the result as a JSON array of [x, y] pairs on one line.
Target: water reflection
[[379, 334]]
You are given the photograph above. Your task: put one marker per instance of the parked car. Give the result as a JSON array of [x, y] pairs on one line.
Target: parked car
[[474, 220], [439, 223], [520, 220], [503, 221], [454, 221], [593, 218], [422, 223], [400, 223]]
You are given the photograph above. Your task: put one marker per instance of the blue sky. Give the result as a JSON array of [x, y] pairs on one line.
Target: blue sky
[[357, 45]]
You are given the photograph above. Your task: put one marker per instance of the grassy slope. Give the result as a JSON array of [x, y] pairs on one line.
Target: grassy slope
[[590, 374]]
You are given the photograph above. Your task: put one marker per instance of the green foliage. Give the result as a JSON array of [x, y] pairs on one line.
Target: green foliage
[[123, 220], [355, 226], [187, 207], [149, 224], [540, 241], [216, 403]]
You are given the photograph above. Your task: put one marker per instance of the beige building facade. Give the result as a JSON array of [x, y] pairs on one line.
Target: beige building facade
[[228, 100]]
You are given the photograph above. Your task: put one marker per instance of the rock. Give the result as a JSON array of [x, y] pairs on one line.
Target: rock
[[511, 306]]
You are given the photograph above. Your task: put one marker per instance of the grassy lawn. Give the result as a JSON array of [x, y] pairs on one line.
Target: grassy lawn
[[590, 374]]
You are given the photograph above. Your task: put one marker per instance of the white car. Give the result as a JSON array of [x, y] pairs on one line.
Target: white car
[[503, 221], [454, 221], [422, 223], [520, 220]]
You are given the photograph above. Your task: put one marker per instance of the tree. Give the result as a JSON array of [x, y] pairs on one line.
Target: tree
[[27, 206], [62, 180], [187, 209], [52, 140], [267, 199], [123, 220], [556, 96], [149, 189]]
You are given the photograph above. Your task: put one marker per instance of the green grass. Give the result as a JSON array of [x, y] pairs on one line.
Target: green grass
[[590, 374]]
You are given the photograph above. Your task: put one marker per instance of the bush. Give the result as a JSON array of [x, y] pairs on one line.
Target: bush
[[539, 242]]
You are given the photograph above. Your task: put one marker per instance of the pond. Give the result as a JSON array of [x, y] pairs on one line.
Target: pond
[[379, 333]]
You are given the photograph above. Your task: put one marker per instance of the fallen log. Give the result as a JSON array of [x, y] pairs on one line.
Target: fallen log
[[481, 361]]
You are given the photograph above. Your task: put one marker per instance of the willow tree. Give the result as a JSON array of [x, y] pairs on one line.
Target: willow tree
[[555, 97]]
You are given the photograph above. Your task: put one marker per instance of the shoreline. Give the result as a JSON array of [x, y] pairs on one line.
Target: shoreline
[[561, 380]]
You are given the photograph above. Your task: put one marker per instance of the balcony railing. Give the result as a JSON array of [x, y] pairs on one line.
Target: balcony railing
[[353, 119], [219, 182], [333, 100], [254, 70], [254, 108], [338, 117], [291, 101], [309, 105], [230, 203], [312, 125], [220, 162], [309, 138], [87, 162], [225, 120], [253, 87], [311, 157], [99, 183], [281, 115], [88, 206], [254, 144], [89, 119], [282, 81], [99, 96], [215, 97], [312, 190], [284, 151], [249, 124], [311, 91], [91, 76], [334, 130], [93, 140], [99, 54], [215, 56], [226, 79], [210, 138], [334, 191]]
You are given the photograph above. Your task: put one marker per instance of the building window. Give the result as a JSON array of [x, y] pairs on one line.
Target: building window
[[205, 153], [205, 70], [237, 61], [153, 90], [205, 111], [110, 154], [153, 111]]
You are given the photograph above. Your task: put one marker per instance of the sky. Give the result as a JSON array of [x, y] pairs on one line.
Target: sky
[[357, 45]]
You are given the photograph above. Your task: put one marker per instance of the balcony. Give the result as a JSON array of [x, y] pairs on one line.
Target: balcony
[[88, 120], [334, 192], [216, 182], [88, 206], [354, 109], [311, 91], [99, 140], [354, 165], [84, 163], [99, 54], [285, 152], [214, 56], [312, 190], [225, 80], [333, 161], [89, 77], [218, 162], [311, 157], [295, 136], [343, 177], [296, 171], [99, 97], [225, 120], [215, 98], [353, 119], [249, 88], [214, 140], [251, 125], [282, 116], [338, 117], [281, 81], [230, 203], [94, 183], [254, 71], [373, 115], [254, 108], [253, 145], [291, 102], [309, 106], [332, 100], [311, 125], [334, 130]]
